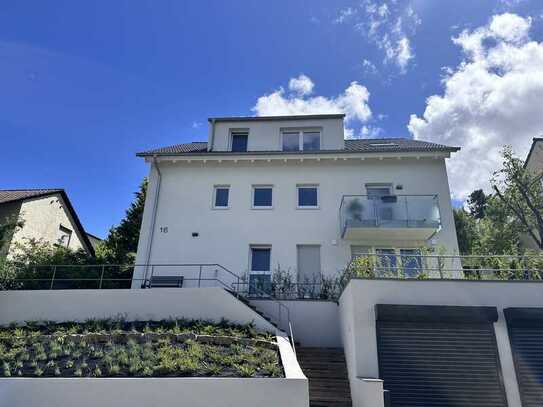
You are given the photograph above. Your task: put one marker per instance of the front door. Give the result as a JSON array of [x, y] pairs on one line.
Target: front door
[[309, 270]]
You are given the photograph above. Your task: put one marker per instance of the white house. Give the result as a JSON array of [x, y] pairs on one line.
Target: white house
[[46, 215], [289, 193]]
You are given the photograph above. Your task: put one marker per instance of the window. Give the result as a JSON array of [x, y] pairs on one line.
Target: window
[[260, 275], [359, 251], [260, 259], [262, 197], [384, 203], [239, 141], [220, 196], [291, 141], [384, 145], [386, 262], [301, 140], [64, 236], [411, 262], [308, 196], [311, 141], [378, 191]]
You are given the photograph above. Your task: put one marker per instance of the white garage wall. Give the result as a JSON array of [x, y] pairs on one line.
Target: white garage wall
[[357, 315]]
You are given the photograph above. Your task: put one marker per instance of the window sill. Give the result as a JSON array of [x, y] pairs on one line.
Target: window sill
[[304, 208], [220, 208], [261, 208]]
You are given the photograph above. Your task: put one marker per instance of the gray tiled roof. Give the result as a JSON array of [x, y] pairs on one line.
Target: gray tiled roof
[[351, 146], [10, 195]]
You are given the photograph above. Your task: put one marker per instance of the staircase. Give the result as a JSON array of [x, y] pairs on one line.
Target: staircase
[[327, 373], [245, 301]]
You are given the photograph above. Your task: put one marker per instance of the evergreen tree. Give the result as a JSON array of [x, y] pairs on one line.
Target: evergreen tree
[[122, 241], [477, 203]]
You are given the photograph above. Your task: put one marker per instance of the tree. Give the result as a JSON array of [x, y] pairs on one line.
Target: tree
[[8, 227], [466, 230], [497, 232], [121, 244], [520, 192], [477, 203]]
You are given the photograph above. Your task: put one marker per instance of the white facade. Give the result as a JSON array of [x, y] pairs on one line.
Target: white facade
[[181, 224]]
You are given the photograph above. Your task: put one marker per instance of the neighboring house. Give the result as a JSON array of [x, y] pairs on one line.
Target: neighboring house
[[289, 192], [534, 163], [47, 215], [94, 240]]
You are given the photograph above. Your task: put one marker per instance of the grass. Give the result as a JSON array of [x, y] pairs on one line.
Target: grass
[[31, 351]]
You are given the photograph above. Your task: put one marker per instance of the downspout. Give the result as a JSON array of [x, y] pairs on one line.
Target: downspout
[[153, 218], [212, 141]]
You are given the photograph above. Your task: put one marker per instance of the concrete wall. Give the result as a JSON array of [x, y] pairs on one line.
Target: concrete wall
[[42, 218], [357, 314], [224, 236], [205, 303], [211, 304], [266, 135], [315, 323], [153, 392]]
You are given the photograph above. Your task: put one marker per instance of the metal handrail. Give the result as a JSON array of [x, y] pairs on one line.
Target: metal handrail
[[235, 287]]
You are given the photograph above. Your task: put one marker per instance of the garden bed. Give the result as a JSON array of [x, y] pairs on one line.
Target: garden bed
[[117, 348]]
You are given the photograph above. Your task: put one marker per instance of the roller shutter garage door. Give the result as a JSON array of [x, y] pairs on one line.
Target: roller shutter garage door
[[525, 327], [434, 356]]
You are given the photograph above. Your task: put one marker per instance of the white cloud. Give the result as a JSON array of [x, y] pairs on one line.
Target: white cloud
[[389, 26], [353, 101], [511, 3], [344, 15], [369, 67], [302, 85], [196, 125], [491, 99]]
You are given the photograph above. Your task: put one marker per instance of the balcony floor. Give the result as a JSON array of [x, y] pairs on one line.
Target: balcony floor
[[394, 230]]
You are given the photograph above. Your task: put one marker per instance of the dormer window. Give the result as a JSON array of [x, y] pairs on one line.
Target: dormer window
[[239, 141], [301, 140]]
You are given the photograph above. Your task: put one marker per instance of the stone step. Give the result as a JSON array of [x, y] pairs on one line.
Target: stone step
[[326, 371]]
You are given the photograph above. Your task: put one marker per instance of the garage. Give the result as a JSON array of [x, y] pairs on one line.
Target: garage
[[525, 326], [439, 356]]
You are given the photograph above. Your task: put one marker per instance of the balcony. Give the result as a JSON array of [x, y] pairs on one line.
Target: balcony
[[390, 217]]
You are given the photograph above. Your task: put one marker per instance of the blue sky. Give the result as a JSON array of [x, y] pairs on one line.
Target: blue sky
[[85, 85]]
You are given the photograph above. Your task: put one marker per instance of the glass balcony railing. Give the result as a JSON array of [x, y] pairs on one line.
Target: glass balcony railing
[[389, 211]]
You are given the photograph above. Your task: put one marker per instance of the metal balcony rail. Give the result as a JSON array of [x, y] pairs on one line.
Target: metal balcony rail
[[393, 211], [447, 267]]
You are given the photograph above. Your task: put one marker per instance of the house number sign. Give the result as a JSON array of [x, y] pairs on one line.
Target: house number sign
[[164, 229]]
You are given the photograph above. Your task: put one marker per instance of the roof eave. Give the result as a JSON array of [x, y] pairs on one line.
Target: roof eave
[[276, 118], [324, 152]]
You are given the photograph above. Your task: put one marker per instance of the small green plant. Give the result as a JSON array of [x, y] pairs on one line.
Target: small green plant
[[6, 369], [114, 369], [96, 372], [271, 369], [245, 371]]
